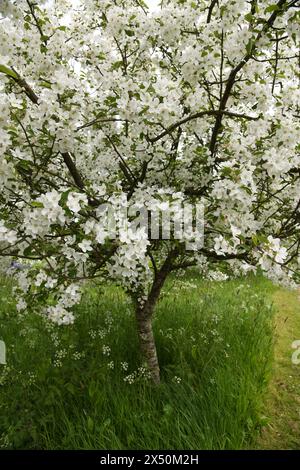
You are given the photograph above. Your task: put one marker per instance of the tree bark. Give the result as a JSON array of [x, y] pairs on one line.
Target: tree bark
[[144, 315], [147, 342]]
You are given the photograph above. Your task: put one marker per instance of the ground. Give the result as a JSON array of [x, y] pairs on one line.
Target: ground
[[227, 379], [282, 405]]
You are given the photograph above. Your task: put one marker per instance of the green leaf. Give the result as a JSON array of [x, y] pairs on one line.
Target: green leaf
[[45, 84], [249, 17], [110, 101], [28, 251], [8, 71], [271, 8], [143, 4], [43, 48], [249, 46], [24, 165], [37, 204], [129, 32], [63, 199], [117, 65]]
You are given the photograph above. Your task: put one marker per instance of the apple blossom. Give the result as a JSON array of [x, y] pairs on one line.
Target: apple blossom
[[111, 108]]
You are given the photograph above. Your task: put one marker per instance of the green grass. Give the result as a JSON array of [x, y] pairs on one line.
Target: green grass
[[58, 390], [282, 404]]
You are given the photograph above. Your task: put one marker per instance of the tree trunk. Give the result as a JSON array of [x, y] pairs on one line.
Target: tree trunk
[[147, 343], [144, 317]]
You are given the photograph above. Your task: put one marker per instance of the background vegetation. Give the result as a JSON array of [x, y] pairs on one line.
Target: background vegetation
[[83, 387]]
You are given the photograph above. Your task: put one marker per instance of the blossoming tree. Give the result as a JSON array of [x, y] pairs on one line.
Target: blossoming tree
[[103, 99]]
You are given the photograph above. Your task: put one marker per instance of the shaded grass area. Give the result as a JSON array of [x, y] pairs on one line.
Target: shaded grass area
[[83, 387], [282, 406]]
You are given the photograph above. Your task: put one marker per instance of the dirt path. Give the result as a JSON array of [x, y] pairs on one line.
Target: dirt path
[[282, 407]]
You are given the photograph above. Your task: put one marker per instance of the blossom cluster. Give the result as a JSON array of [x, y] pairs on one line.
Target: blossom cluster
[[194, 102]]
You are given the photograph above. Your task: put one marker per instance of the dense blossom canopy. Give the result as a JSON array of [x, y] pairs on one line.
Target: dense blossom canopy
[[104, 100]]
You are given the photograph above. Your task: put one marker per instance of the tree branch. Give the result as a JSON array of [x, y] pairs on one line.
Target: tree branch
[[198, 115], [234, 72], [73, 170], [27, 88], [99, 121], [210, 10], [36, 21]]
